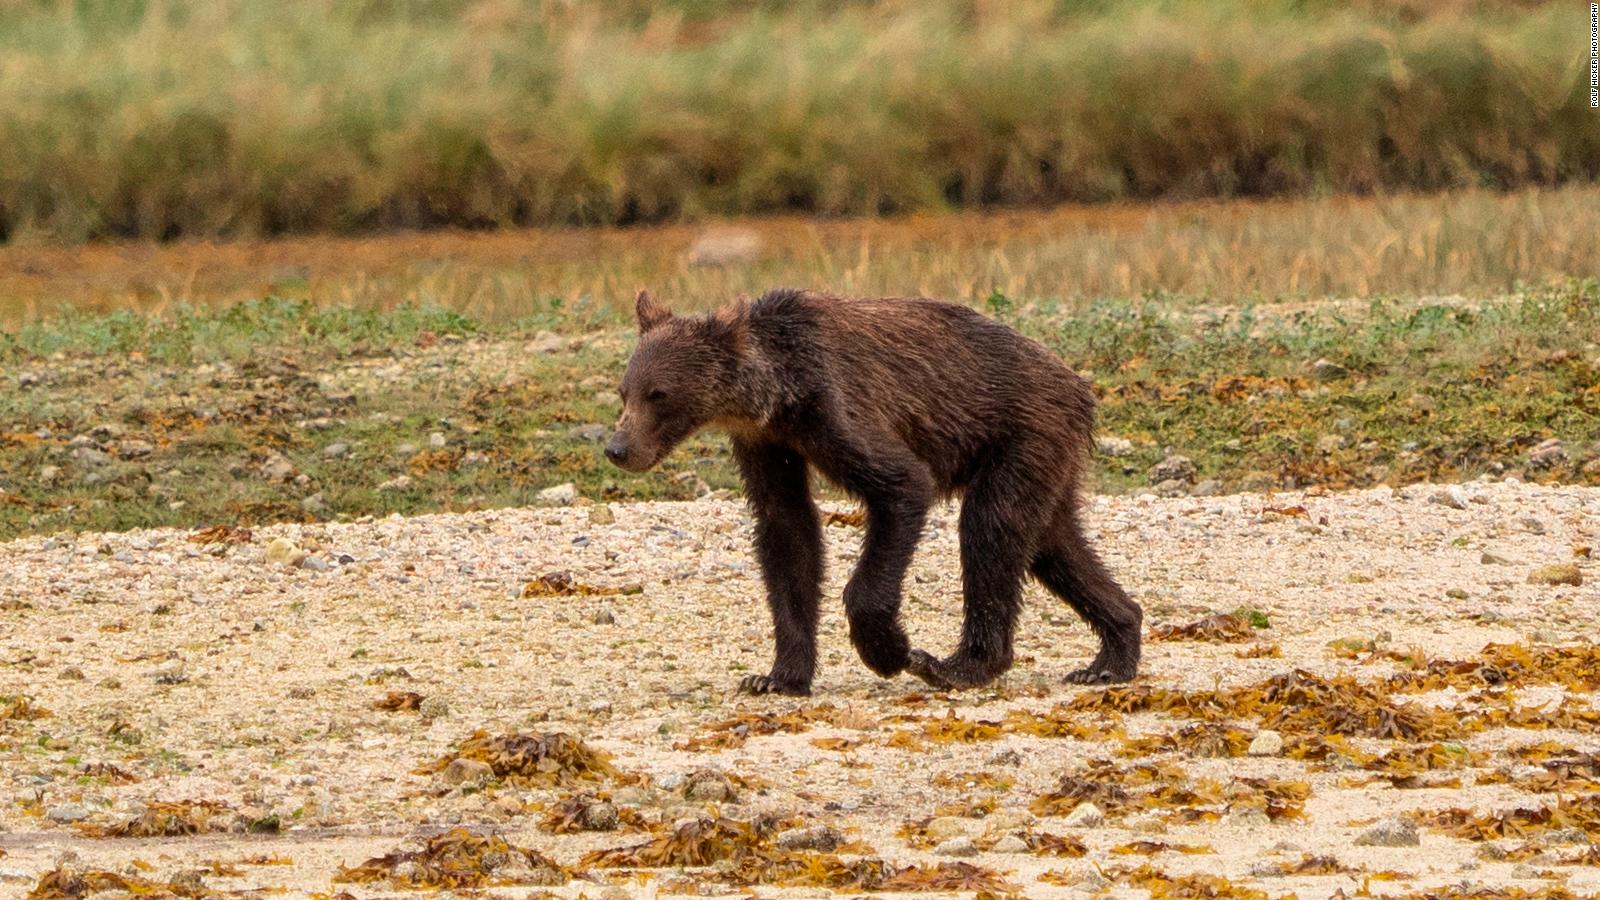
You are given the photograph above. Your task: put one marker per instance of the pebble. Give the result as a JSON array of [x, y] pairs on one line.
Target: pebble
[[957, 846], [560, 495], [591, 433], [818, 837], [1085, 815], [708, 787], [601, 816], [547, 342], [1266, 743], [944, 828], [315, 564], [284, 552], [1111, 445], [465, 771], [1010, 844], [336, 451], [1547, 453], [1489, 559], [433, 708], [397, 483], [1455, 496], [436, 440], [604, 617], [67, 813], [1328, 370], [1560, 573], [1173, 468], [602, 514], [1390, 833]]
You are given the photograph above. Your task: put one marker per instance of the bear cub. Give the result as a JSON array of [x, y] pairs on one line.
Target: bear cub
[[899, 402]]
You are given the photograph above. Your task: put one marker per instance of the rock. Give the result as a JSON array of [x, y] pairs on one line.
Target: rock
[[725, 247], [1422, 403], [1010, 844], [315, 505], [604, 617], [1171, 487], [1207, 488], [601, 514], [1531, 525], [547, 342], [405, 450], [336, 451], [67, 813], [1331, 442], [1085, 815], [560, 495], [820, 838], [1547, 453], [434, 708], [1266, 743], [1455, 496], [591, 433], [1390, 833], [284, 552], [276, 468], [466, 771], [436, 441], [1456, 594], [1328, 370], [315, 564], [1560, 573], [90, 456], [1173, 468], [134, 449], [600, 816], [28, 379], [1489, 559], [395, 484], [709, 787], [472, 459], [1111, 445], [944, 828], [956, 846]]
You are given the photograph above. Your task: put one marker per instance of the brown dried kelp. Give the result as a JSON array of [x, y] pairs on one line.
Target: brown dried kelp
[[457, 858], [544, 759]]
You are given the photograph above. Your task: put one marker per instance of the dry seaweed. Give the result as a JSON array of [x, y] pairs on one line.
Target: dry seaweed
[[1582, 812], [1199, 886], [183, 818], [1202, 739], [399, 701], [21, 708], [457, 858], [222, 534], [1151, 848], [562, 584], [63, 883], [1576, 668], [732, 732], [1219, 628], [544, 759], [1044, 843]]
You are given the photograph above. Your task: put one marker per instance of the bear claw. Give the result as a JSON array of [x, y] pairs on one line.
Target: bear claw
[[766, 684]]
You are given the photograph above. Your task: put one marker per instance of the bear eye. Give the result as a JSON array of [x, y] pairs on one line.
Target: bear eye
[[656, 396]]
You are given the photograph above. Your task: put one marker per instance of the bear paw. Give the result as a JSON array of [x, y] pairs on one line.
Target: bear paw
[[771, 684]]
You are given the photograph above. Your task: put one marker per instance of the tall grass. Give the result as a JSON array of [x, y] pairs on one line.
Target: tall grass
[[164, 118]]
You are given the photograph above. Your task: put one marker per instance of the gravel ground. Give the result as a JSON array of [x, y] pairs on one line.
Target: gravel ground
[[238, 672]]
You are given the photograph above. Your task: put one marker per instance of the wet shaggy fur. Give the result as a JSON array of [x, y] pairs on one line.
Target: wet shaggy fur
[[900, 402]]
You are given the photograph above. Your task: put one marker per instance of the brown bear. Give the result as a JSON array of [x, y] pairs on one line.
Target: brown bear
[[899, 402]]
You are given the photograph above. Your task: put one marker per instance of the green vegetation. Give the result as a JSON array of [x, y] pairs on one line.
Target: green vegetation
[[280, 410], [160, 118]]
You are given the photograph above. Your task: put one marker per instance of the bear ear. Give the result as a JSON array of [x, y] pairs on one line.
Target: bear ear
[[651, 314], [730, 321]]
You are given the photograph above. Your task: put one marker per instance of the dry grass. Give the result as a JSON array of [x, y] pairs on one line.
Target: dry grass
[[1471, 242], [188, 118]]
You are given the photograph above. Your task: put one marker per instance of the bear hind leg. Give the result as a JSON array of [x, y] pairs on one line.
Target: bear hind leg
[[1069, 568]]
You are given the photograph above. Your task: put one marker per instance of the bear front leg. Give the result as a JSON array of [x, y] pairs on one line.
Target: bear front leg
[[788, 543], [872, 596]]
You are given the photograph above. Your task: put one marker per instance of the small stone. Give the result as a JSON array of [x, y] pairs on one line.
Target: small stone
[[90, 456], [604, 617], [436, 441], [1171, 487], [1560, 573], [820, 838], [957, 846], [433, 708], [1390, 833], [67, 813], [1489, 559], [276, 468], [1173, 468], [1547, 453], [395, 484], [134, 449], [1010, 844], [1456, 594], [315, 564], [1085, 815], [944, 828], [560, 495], [547, 342], [600, 816], [600, 707], [709, 787], [1266, 743], [1531, 525], [472, 459], [407, 449], [466, 771], [284, 552], [1423, 403], [1111, 445], [601, 514], [1455, 496], [1331, 442], [593, 434], [1207, 488], [1328, 370], [316, 504], [336, 451]]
